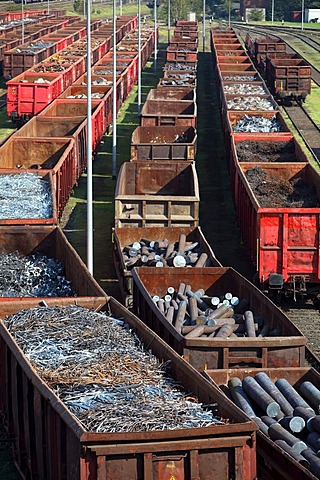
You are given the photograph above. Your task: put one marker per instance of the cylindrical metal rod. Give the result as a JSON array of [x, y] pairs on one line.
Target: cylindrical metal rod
[[276, 432], [120, 7], [229, 14], [272, 11], [312, 394], [240, 397], [265, 381], [313, 460], [182, 309], [291, 394], [48, 7], [249, 323], [262, 426], [306, 415], [302, 14], [260, 396], [297, 456], [89, 150], [268, 420], [314, 440], [155, 37], [139, 57], [293, 424], [114, 94]]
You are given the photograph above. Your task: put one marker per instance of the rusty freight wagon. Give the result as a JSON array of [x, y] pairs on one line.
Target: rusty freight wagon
[[164, 143], [163, 194], [172, 94], [55, 155], [126, 236], [49, 442], [284, 347], [51, 242], [177, 113], [272, 461], [289, 77]]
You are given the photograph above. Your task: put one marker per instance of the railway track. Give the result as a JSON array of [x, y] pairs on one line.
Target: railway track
[[307, 128]]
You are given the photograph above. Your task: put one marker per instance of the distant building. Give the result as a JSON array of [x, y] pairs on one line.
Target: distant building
[[251, 4]]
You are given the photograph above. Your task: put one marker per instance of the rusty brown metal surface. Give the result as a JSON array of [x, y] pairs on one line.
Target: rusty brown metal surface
[[157, 113], [157, 194]]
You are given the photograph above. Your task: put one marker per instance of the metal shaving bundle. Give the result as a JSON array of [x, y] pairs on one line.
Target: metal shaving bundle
[[102, 372], [25, 195]]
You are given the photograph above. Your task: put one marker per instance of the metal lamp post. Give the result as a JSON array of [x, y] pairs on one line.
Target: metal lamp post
[[155, 37], [169, 19], [204, 25], [89, 150], [302, 15], [22, 20], [229, 14], [48, 7], [114, 95], [272, 12], [120, 7], [139, 57]]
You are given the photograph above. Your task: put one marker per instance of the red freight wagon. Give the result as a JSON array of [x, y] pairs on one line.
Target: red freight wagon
[[26, 98], [284, 242]]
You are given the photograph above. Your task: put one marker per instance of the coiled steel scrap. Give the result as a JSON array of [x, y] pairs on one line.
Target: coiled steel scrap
[[103, 373], [257, 124], [32, 276], [25, 195]]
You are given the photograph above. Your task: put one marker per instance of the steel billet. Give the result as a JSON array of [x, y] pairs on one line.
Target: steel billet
[[102, 372]]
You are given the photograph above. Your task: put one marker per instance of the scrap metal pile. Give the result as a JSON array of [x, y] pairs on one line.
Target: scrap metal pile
[[25, 195], [288, 415], [102, 371], [32, 276], [256, 124], [195, 314]]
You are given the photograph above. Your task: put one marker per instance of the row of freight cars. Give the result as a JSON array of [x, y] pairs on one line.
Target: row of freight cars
[[275, 188], [64, 400], [52, 145], [34, 89], [170, 434], [287, 73], [12, 33], [215, 319]]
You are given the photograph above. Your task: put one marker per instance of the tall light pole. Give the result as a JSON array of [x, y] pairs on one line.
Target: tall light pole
[[48, 7], [169, 19], [272, 12], [204, 25], [229, 14], [155, 37], [22, 20], [139, 57], [302, 15], [120, 7], [114, 95], [89, 150]]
